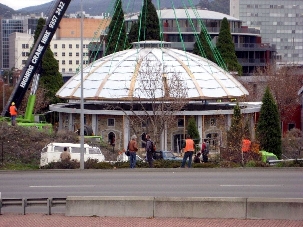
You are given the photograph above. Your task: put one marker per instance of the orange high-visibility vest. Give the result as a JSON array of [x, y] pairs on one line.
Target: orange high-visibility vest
[[190, 145], [13, 110]]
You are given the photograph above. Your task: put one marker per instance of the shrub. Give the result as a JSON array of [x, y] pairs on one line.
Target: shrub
[[65, 164]]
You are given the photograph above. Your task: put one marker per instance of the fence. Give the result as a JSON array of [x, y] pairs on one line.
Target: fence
[[27, 202]]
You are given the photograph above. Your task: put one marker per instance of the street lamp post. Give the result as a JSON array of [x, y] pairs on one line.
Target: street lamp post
[[3, 94]]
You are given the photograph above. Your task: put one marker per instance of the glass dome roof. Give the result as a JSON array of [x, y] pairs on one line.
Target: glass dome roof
[[115, 77]]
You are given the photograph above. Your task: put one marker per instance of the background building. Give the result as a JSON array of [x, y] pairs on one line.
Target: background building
[[280, 23], [250, 50], [65, 44]]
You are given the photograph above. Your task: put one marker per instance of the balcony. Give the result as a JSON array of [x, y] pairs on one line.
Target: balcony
[[209, 30]]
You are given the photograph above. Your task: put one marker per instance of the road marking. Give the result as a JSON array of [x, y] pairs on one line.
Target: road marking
[[250, 185], [61, 186]]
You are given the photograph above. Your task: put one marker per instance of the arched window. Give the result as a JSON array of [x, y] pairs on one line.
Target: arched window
[[111, 138]]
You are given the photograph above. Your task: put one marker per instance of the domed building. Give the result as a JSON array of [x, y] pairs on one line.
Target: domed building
[[131, 84]]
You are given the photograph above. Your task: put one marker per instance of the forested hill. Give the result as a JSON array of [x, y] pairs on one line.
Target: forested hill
[[97, 7]]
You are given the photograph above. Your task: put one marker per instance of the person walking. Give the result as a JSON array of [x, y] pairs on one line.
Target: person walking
[[133, 148], [13, 113], [149, 151], [188, 151], [65, 155]]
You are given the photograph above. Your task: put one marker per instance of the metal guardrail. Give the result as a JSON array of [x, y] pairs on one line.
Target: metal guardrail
[[27, 202]]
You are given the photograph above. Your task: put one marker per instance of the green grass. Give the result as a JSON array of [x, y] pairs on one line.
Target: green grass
[[18, 166]]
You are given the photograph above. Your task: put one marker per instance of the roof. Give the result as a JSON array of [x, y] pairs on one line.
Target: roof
[[185, 14], [119, 76]]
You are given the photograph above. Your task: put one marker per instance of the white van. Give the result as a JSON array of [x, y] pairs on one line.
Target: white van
[[51, 152]]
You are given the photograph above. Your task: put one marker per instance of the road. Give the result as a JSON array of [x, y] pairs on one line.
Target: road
[[241, 182]]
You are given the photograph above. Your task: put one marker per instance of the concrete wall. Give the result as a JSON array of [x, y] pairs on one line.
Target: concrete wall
[[189, 207]]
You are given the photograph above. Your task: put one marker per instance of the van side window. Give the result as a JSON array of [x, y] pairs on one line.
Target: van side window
[[94, 151], [58, 149], [76, 150]]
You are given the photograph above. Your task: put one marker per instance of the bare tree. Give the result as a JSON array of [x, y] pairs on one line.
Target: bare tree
[[284, 84], [159, 95]]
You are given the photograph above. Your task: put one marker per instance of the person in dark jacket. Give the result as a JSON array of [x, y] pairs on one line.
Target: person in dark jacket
[[149, 151]]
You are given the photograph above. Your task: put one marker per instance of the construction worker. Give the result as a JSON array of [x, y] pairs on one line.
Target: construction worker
[[13, 113]]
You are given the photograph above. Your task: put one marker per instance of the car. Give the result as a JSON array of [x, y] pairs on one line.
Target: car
[[166, 155], [51, 152]]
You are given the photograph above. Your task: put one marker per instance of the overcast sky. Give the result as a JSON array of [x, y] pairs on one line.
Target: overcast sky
[[19, 4]]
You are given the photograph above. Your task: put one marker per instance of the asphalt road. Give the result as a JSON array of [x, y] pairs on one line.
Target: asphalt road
[[240, 182]]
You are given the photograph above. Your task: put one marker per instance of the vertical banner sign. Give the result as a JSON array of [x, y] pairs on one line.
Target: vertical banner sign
[[37, 53]]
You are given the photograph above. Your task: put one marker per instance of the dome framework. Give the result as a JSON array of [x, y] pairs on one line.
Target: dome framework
[[119, 76]]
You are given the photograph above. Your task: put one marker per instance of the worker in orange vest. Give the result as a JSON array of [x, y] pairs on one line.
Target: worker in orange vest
[[189, 148], [246, 145], [13, 113]]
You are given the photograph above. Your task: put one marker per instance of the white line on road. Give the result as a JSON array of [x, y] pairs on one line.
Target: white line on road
[[62, 186], [250, 185]]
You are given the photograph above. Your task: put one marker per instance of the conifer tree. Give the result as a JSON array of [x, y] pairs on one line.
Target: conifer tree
[[50, 78], [268, 126], [226, 48], [234, 134], [116, 37], [149, 22], [133, 33], [203, 49], [192, 130]]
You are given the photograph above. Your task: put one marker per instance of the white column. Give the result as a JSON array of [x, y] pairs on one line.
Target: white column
[[94, 124], [70, 122], [126, 131], [200, 127]]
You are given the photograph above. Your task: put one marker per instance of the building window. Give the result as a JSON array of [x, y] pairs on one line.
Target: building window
[[25, 46], [70, 62], [63, 70], [63, 62], [63, 46], [291, 126], [70, 54], [77, 46], [70, 46], [77, 54], [63, 54], [180, 123], [77, 62], [110, 122], [70, 69], [55, 53], [55, 46], [213, 122]]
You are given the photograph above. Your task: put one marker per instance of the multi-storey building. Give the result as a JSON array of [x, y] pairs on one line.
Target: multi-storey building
[[65, 44], [182, 33], [280, 23], [8, 26], [18, 23]]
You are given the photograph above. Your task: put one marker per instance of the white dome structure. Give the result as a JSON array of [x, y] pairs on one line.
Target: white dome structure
[[115, 77]]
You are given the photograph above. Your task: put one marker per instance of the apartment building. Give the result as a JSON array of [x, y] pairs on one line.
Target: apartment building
[[66, 44], [251, 51], [280, 23]]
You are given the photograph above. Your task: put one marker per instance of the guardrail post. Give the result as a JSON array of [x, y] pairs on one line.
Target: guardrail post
[[0, 205], [24, 205], [49, 206]]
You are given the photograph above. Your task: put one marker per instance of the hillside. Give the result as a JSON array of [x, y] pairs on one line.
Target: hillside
[[97, 7], [5, 11]]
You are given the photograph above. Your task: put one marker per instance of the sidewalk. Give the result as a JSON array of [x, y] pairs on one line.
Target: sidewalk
[[59, 220]]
